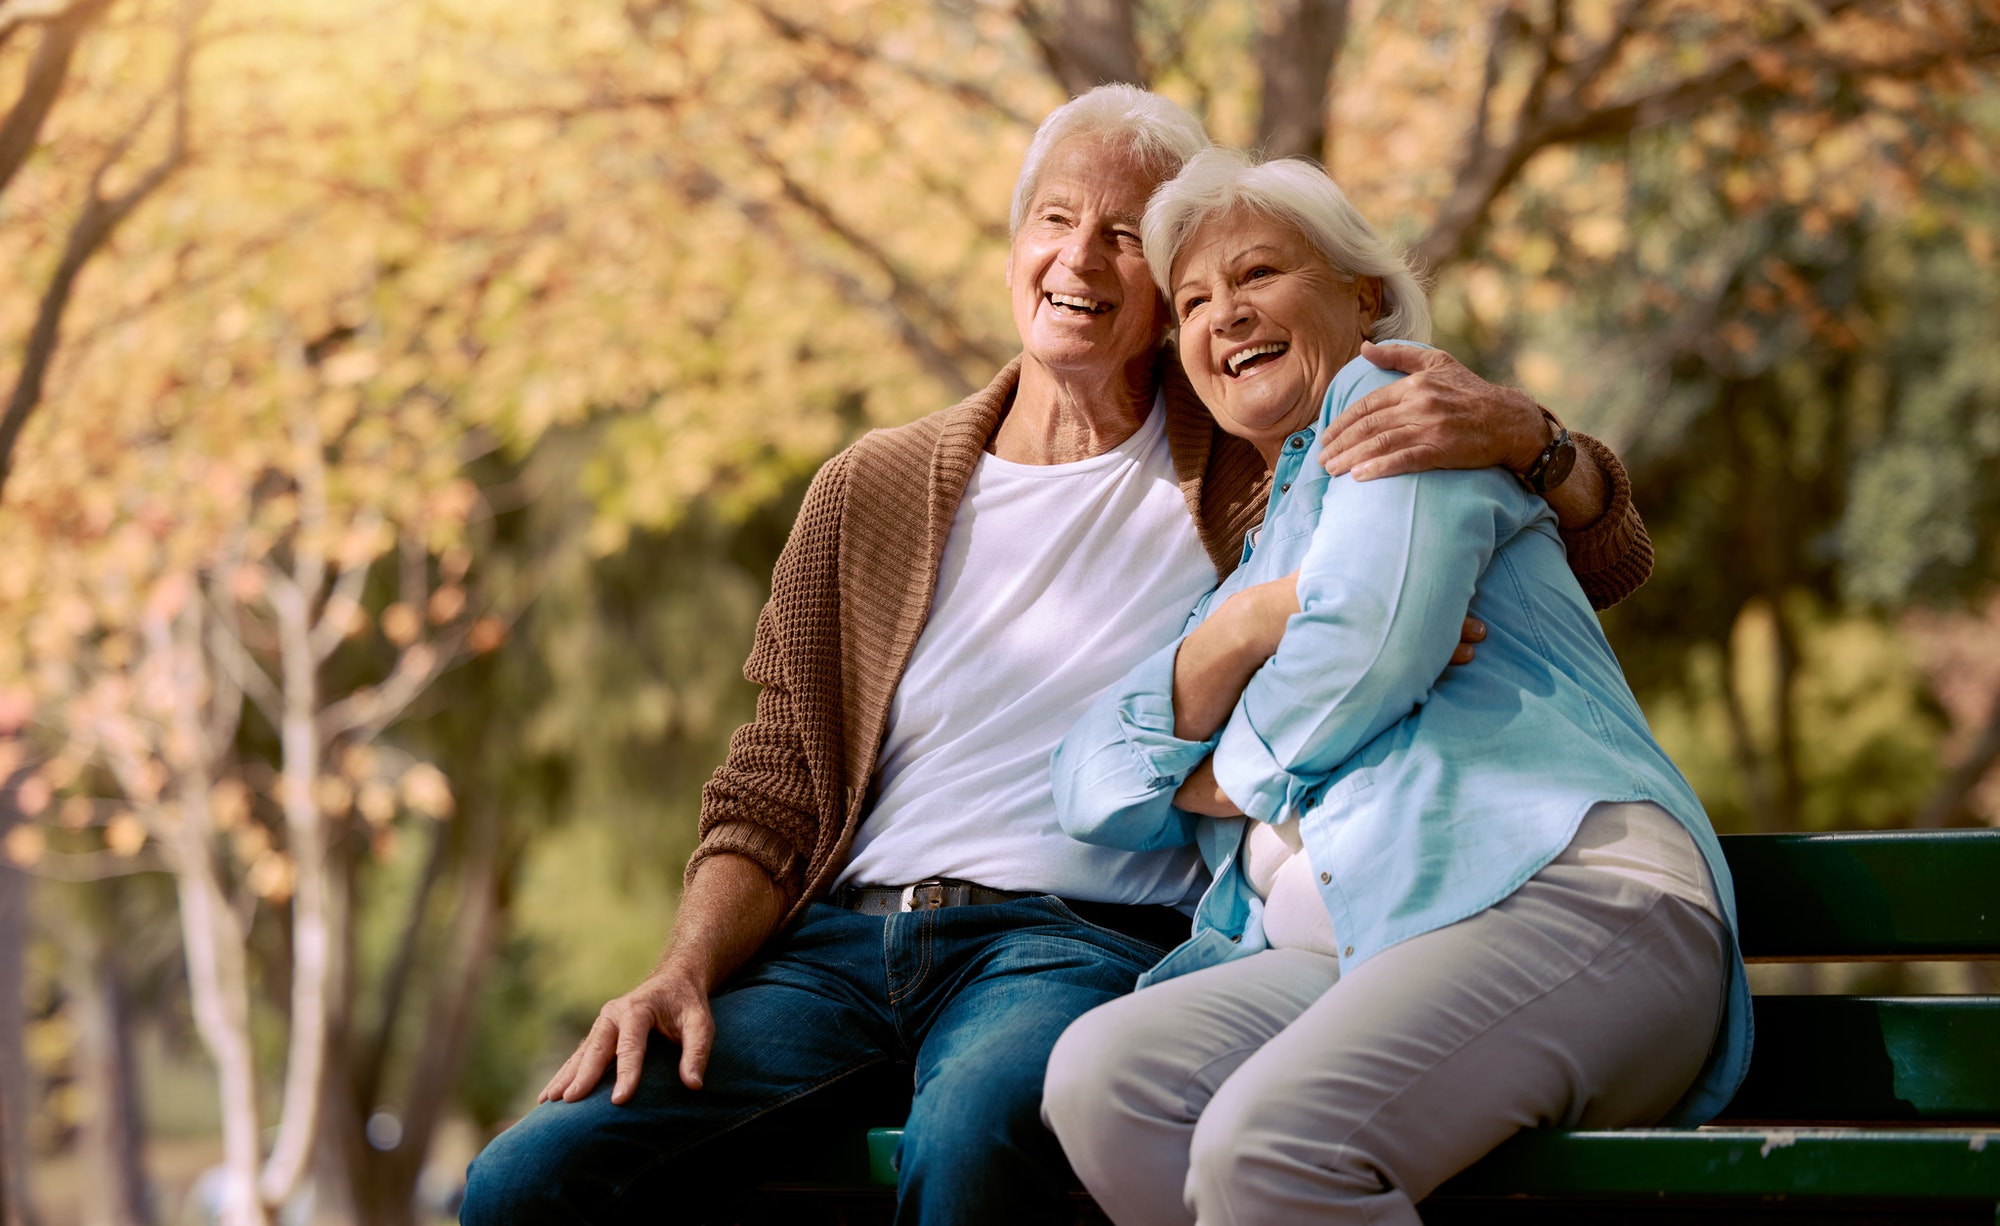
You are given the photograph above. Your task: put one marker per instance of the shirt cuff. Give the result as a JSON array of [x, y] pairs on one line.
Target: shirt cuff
[[1146, 720]]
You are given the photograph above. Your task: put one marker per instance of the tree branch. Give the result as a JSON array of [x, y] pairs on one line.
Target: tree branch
[[965, 91], [45, 76], [909, 300], [99, 220], [1549, 117]]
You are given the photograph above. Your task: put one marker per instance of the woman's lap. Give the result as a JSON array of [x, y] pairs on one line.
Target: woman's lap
[[1567, 1004]]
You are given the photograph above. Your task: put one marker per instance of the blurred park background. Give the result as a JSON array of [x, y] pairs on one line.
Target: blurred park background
[[406, 402]]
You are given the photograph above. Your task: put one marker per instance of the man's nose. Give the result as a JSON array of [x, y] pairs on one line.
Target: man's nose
[[1082, 252]]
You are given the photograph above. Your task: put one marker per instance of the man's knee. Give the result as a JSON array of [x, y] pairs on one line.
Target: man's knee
[[520, 1176]]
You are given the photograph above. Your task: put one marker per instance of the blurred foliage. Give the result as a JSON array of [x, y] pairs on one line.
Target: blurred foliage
[[576, 297]]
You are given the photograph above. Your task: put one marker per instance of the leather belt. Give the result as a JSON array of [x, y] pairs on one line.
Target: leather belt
[[923, 896]]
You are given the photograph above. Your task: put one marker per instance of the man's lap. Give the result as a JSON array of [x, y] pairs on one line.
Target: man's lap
[[840, 1001]]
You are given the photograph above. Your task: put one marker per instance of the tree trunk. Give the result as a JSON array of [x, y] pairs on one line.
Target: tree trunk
[[1948, 801], [1296, 51], [314, 905], [15, 1206], [1757, 800], [1086, 43], [113, 1134]]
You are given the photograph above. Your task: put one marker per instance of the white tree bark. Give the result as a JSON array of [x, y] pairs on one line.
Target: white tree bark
[[213, 936]]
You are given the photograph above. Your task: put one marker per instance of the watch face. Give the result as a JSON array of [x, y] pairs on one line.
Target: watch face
[[1561, 458]]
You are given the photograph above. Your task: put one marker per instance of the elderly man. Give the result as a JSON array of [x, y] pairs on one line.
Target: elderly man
[[881, 885]]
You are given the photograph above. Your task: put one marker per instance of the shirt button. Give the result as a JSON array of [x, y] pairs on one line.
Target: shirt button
[[1234, 939], [1326, 878], [1348, 952], [1297, 442], [1286, 488]]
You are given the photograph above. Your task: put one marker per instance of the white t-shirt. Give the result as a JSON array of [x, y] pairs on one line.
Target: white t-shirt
[[1057, 579]]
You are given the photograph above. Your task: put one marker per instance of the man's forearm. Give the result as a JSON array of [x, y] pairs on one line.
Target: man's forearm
[[729, 910]]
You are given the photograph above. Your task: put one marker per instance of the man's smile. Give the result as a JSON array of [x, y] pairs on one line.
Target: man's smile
[[1076, 304]]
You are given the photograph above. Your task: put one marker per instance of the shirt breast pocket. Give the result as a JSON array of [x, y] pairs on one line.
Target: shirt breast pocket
[[1289, 525]]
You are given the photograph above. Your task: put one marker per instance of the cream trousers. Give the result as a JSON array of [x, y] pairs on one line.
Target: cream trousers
[[1272, 1089]]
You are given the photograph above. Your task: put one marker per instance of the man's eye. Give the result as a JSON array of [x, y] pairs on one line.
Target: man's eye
[[1126, 236]]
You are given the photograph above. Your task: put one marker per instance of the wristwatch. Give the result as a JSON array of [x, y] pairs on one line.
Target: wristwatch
[[1551, 468]]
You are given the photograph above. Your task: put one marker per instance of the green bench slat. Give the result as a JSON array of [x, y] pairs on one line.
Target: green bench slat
[[1885, 894], [1739, 1162], [1855, 1162], [1874, 1059]]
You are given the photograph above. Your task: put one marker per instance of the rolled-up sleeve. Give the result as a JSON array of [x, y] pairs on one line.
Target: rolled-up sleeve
[[1383, 591], [1116, 772]]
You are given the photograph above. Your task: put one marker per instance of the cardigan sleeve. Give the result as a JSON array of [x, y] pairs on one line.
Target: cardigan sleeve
[[762, 802], [1613, 557]]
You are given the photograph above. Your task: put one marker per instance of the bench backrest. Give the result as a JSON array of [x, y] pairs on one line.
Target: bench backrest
[[1877, 896]]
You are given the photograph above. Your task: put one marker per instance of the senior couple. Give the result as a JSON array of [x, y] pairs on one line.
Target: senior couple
[[1012, 733]]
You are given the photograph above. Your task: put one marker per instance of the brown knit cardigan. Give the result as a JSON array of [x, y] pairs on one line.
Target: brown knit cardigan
[[853, 588]]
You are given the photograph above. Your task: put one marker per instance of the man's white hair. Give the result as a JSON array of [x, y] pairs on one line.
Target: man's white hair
[[1161, 135], [1299, 193]]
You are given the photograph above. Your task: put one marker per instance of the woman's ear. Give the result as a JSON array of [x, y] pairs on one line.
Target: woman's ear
[[1368, 300]]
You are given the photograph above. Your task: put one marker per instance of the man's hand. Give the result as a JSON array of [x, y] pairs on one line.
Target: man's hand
[[669, 1002], [1473, 632], [729, 909], [1442, 416]]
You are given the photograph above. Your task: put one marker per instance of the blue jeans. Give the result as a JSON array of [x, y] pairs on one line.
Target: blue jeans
[[971, 999]]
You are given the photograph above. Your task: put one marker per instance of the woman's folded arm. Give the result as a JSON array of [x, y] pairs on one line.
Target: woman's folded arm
[[1383, 593]]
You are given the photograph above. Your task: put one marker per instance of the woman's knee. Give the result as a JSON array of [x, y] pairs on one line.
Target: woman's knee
[[1089, 1074]]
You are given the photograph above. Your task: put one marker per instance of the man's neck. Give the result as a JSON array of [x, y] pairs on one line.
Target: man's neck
[[1059, 418]]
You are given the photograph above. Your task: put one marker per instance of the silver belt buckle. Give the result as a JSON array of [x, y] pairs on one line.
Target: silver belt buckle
[[934, 896]]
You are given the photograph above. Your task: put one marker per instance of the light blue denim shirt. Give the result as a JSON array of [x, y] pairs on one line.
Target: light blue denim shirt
[[1423, 796]]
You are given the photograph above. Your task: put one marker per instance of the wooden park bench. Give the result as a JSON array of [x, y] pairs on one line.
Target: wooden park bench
[[1858, 1109]]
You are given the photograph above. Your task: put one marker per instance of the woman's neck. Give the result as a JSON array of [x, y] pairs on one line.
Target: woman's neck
[[1059, 417]]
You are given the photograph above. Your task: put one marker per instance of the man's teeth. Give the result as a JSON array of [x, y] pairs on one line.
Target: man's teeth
[[1091, 305], [1238, 361]]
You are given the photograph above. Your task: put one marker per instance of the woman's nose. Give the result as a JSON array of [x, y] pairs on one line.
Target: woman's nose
[[1228, 312]]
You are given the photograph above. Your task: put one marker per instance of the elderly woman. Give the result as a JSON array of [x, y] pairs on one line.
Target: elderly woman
[[1445, 908]]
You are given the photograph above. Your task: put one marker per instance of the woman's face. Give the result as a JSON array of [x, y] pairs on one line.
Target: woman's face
[[1265, 324]]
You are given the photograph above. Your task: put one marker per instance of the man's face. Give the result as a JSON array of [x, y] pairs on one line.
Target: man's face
[[1084, 302]]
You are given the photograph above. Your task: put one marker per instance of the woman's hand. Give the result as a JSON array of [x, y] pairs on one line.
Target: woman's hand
[[1217, 660]]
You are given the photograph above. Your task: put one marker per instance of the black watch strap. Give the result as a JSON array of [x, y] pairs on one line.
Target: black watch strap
[[1552, 467]]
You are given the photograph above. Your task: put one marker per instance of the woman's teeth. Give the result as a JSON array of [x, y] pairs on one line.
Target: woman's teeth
[[1239, 360]]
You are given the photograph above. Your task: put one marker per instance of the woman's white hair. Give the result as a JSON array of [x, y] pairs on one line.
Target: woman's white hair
[[1161, 135], [1299, 193]]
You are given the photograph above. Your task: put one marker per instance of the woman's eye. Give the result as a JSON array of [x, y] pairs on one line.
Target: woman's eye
[[1188, 307], [1258, 274]]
